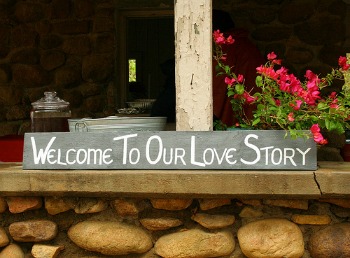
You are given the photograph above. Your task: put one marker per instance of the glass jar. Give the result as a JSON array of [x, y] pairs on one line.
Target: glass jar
[[50, 114]]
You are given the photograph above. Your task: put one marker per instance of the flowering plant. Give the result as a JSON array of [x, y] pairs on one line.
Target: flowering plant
[[284, 102]]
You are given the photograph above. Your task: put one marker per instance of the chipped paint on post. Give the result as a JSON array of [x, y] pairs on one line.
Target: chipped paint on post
[[194, 102]]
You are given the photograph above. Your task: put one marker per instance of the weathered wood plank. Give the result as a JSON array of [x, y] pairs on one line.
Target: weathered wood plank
[[193, 51], [224, 150], [159, 183]]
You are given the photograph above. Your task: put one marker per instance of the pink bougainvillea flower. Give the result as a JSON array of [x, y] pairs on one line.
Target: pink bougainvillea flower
[[277, 61], [296, 105], [295, 84], [313, 81], [318, 137], [230, 40], [312, 77], [271, 56], [223, 57], [288, 82], [260, 69], [299, 102], [291, 117], [230, 81], [278, 102], [333, 95], [313, 93], [342, 61], [334, 104], [237, 96], [268, 72], [311, 96], [248, 98], [240, 78], [219, 38], [315, 128], [282, 71], [284, 86]]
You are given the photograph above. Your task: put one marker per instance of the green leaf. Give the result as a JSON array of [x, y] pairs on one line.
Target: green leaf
[[230, 93], [334, 126], [259, 81], [256, 121], [239, 88], [322, 106]]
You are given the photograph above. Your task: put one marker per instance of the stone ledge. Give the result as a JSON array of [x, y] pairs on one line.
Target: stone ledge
[[333, 179], [330, 180]]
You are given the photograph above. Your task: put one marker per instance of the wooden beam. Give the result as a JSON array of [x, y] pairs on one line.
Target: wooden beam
[[193, 51], [14, 181]]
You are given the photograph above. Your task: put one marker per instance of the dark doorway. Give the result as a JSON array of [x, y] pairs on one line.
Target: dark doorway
[[145, 41], [150, 42]]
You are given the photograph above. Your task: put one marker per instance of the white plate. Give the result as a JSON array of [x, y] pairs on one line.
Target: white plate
[[115, 123]]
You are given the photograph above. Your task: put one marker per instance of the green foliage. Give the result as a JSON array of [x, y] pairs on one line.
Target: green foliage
[[284, 102], [132, 70]]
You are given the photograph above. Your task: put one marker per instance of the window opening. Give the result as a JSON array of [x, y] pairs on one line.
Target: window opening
[[132, 70]]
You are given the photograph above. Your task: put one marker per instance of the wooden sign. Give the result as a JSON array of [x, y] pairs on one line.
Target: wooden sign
[[234, 150]]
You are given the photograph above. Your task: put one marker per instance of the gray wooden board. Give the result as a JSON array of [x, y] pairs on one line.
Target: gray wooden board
[[234, 150]]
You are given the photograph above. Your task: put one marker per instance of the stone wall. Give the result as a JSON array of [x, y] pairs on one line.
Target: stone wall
[[70, 46], [128, 227], [62, 45]]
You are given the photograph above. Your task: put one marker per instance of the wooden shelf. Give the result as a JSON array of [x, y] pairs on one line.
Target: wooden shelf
[[330, 180]]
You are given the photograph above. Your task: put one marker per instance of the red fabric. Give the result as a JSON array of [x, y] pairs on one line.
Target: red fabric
[[11, 148], [244, 57]]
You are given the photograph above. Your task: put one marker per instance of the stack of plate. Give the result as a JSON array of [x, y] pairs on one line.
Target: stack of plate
[[115, 123], [144, 104]]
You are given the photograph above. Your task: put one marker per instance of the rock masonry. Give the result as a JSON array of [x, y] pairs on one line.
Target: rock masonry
[[173, 228]]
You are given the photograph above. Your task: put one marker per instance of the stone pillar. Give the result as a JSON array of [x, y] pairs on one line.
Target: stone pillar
[[193, 76]]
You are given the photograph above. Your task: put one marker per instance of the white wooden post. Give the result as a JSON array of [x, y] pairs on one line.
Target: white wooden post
[[193, 76]]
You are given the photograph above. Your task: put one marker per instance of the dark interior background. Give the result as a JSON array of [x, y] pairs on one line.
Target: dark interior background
[[71, 46]]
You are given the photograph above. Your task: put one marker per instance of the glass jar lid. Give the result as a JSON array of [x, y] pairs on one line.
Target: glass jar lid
[[50, 101]]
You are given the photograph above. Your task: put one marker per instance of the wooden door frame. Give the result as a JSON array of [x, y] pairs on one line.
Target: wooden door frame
[[122, 17]]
